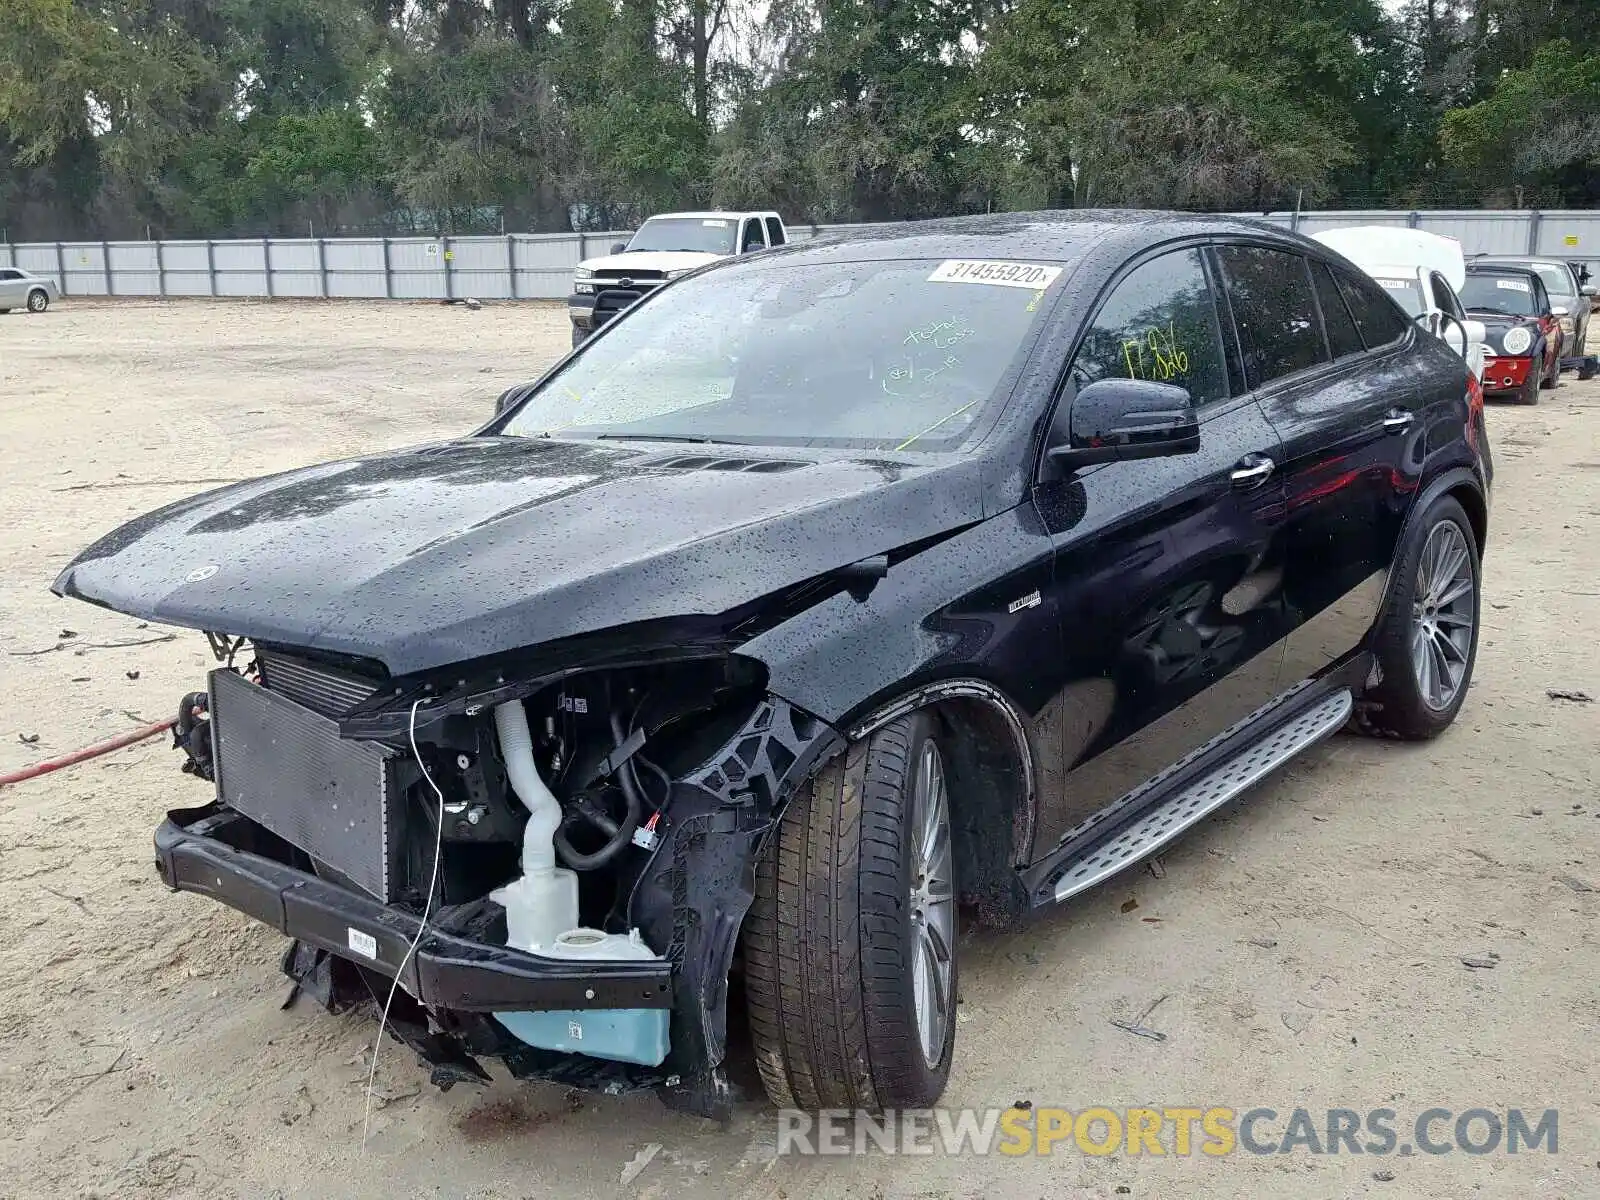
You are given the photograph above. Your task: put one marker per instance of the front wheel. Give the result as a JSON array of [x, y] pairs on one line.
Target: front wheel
[[1553, 375], [1427, 637], [1528, 393], [38, 301], [850, 954]]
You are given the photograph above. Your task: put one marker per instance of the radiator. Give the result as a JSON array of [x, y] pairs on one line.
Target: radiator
[[286, 768]]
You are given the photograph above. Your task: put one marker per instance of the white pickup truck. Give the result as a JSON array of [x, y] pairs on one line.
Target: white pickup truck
[[663, 248]]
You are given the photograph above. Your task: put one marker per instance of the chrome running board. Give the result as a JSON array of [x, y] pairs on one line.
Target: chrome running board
[[1147, 834]]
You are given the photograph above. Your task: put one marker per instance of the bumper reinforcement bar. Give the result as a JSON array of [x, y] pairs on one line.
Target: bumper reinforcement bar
[[194, 854]]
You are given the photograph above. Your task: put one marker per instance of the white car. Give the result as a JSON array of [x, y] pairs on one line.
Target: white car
[[1423, 272], [663, 248], [24, 289]]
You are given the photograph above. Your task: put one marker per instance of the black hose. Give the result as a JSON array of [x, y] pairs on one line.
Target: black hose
[[632, 793], [628, 778]]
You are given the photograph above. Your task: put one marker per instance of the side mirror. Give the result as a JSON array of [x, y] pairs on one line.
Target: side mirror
[[1452, 333], [1590, 290], [1559, 310], [618, 247], [510, 398], [1116, 419], [1477, 331]]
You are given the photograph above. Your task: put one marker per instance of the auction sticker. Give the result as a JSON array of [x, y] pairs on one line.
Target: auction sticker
[[1007, 274], [1513, 285], [363, 944]]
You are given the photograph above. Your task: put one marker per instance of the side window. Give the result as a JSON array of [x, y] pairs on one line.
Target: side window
[[1159, 323], [1270, 291], [1379, 318], [774, 232], [1343, 337], [6, 276], [753, 238]]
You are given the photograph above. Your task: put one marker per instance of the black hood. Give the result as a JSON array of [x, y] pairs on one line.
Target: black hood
[[424, 557], [1496, 325]]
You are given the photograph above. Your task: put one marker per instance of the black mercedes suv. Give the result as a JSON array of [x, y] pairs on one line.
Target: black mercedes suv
[[825, 597]]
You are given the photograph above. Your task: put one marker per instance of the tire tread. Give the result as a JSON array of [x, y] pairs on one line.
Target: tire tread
[[825, 966]]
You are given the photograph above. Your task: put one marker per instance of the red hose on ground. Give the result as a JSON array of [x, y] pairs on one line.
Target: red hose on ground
[[88, 752]]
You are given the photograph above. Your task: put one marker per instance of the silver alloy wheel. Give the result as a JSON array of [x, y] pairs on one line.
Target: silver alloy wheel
[[1443, 614], [933, 916], [37, 301]]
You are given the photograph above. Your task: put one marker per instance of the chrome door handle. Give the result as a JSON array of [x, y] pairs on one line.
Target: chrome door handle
[[1253, 471], [1398, 419]]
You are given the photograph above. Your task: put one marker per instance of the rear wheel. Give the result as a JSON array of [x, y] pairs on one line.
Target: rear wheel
[[850, 962], [38, 301], [1427, 639]]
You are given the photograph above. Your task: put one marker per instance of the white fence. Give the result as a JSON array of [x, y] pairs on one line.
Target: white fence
[[539, 266]]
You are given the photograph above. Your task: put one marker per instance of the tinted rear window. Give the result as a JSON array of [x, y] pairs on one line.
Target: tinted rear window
[[1343, 337], [1274, 310], [1379, 321]]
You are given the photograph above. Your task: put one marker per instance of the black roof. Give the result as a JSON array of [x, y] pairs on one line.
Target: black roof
[[1061, 235]]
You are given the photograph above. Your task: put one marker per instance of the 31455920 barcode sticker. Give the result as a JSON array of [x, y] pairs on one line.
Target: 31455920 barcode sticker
[[1033, 276]]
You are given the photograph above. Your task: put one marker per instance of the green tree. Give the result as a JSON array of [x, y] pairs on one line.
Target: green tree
[[1538, 129], [1166, 104]]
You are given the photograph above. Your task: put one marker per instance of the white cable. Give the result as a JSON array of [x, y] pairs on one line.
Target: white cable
[[427, 908]]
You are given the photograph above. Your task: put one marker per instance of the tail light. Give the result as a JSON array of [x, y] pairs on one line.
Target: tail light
[[1474, 409]]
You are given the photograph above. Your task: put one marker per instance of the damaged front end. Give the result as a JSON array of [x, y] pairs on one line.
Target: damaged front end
[[554, 862]]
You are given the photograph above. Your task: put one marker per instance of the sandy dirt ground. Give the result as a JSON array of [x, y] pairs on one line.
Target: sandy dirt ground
[[1305, 949]]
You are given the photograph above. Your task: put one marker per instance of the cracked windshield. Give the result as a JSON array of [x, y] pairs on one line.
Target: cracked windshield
[[885, 355]]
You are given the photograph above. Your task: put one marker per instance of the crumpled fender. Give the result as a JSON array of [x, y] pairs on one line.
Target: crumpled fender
[[693, 896]]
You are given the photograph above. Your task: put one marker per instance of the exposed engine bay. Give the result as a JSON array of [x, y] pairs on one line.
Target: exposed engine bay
[[571, 916]]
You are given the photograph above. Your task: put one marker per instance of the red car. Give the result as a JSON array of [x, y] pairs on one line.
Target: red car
[[1524, 336]]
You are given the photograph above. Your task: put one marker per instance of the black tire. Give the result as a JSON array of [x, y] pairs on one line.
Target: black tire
[[1396, 707], [830, 939], [38, 300], [1528, 393], [578, 336]]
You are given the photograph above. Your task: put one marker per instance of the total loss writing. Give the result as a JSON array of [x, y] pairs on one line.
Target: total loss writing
[[941, 334], [919, 367], [1155, 355]]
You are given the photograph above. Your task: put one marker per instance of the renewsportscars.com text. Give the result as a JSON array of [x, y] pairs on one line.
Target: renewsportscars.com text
[[1214, 1131]]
